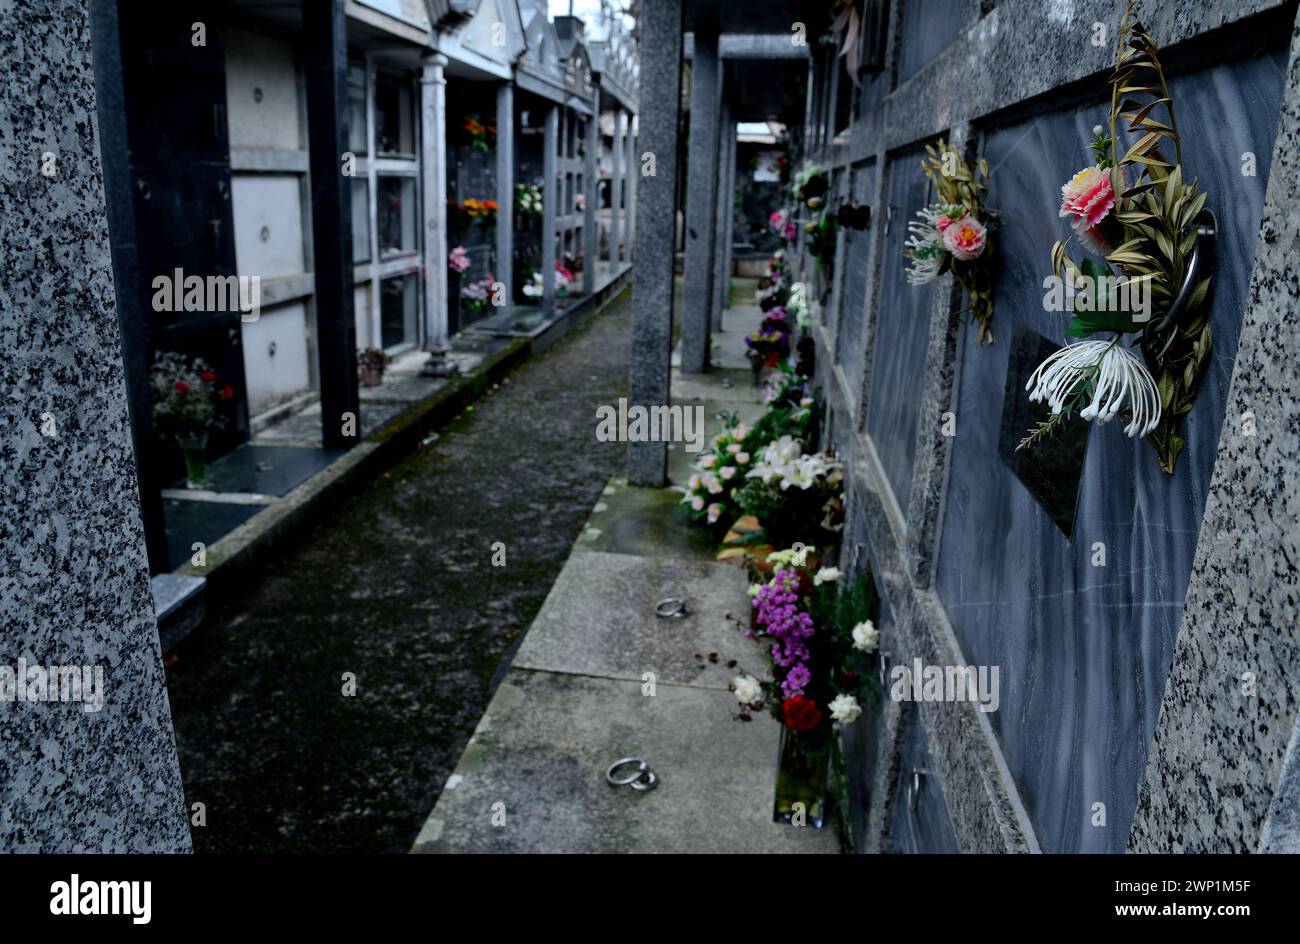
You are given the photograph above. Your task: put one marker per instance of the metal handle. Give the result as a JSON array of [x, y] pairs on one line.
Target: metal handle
[[1206, 228]]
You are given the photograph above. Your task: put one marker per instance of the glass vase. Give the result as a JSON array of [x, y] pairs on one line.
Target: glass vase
[[194, 447], [803, 764]]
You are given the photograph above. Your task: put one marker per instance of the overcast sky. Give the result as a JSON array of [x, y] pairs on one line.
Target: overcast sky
[[589, 10]]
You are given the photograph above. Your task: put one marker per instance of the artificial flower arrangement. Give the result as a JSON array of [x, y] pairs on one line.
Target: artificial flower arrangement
[[1138, 213], [575, 261], [810, 186], [371, 363], [458, 260], [774, 288], [579, 202], [535, 287], [782, 226], [720, 473], [474, 211], [477, 294], [949, 235], [767, 346], [480, 134], [822, 648], [528, 199]]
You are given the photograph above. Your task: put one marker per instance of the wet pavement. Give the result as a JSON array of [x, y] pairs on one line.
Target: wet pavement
[[396, 587]]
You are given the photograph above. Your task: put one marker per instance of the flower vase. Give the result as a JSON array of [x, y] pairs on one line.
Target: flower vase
[[194, 447], [801, 775], [371, 376], [757, 367]]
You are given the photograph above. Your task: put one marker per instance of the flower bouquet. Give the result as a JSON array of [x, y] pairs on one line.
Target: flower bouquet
[[528, 199], [371, 363], [782, 226], [821, 645], [709, 493], [797, 496], [1137, 212], [949, 237], [479, 134], [185, 395], [474, 211], [477, 295], [458, 260]]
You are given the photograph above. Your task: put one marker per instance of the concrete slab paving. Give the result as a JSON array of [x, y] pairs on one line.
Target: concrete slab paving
[[651, 521], [599, 620], [533, 776]]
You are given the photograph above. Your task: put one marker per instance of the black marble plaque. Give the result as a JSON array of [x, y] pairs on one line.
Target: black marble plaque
[[1052, 467]]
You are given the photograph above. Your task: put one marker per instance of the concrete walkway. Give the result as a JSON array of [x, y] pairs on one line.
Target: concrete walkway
[[578, 694]]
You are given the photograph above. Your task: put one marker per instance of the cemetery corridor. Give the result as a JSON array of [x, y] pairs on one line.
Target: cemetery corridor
[[397, 587]]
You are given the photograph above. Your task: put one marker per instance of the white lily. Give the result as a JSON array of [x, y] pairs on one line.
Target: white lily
[[1118, 375]]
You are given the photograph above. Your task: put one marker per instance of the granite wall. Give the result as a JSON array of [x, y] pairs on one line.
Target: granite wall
[[1122, 683], [74, 581]]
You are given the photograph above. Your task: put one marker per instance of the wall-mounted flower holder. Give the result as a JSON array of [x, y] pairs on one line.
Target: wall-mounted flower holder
[[1156, 237], [952, 235]]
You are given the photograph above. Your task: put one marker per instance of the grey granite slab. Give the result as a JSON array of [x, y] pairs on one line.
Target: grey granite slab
[[538, 759], [1084, 650], [74, 579], [1216, 762], [599, 620]]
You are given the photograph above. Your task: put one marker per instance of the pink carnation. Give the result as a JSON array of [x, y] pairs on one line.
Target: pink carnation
[[964, 238], [1087, 197]]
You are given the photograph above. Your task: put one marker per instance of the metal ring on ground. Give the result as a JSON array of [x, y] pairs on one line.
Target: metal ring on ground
[[642, 769], [648, 782], [674, 607]]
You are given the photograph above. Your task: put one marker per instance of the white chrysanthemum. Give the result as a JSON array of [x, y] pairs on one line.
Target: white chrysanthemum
[[866, 637], [826, 575], [1120, 379], [748, 690], [845, 709], [924, 247]]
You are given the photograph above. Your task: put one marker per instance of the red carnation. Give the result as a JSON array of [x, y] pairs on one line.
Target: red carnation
[[208, 376], [181, 387], [227, 392], [801, 714]]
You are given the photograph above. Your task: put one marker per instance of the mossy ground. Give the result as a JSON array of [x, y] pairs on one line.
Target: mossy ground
[[396, 586]]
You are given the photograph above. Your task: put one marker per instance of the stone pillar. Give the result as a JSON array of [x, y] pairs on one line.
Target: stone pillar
[[629, 174], [325, 65], [506, 188], [550, 203], [633, 162], [721, 275], [98, 774], [652, 295], [701, 193], [590, 228], [433, 170], [616, 191], [729, 234]]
